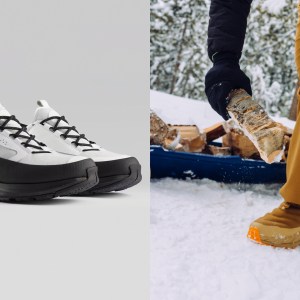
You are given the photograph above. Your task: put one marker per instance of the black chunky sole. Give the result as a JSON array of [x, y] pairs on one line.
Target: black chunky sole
[[116, 176], [49, 190]]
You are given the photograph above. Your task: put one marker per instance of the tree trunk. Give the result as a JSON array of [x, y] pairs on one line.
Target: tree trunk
[[178, 59], [293, 110]]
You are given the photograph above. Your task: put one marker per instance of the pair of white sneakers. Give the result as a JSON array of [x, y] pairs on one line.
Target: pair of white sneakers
[[70, 164]]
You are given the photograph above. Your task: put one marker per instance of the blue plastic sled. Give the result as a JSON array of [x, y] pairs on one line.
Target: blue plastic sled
[[228, 169]]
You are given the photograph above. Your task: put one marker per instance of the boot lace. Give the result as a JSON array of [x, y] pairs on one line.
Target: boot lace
[[21, 132], [67, 134]]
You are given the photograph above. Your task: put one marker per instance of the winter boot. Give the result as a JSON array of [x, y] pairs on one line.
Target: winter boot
[[266, 134], [280, 228], [31, 171], [116, 171]]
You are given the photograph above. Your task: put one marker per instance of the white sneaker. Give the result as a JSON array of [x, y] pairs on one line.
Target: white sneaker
[[30, 170], [116, 171]]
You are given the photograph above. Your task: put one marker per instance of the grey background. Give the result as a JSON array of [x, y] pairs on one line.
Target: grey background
[[89, 59]]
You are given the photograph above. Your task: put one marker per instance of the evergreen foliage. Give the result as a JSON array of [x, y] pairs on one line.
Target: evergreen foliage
[[179, 58]]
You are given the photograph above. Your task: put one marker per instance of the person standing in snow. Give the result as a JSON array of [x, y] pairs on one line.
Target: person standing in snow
[[226, 34]]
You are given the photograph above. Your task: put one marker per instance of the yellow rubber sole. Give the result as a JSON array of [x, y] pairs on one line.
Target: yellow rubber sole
[[255, 236]]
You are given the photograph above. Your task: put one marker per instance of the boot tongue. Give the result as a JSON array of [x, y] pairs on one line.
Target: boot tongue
[[12, 123], [3, 111], [45, 111]]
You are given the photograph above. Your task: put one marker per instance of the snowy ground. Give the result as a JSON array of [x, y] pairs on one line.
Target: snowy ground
[[199, 249]]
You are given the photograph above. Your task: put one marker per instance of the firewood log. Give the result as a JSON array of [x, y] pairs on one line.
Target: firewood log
[[265, 133], [191, 138], [214, 132], [217, 151], [240, 144], [162, 134], [287, 140], [287, 131]]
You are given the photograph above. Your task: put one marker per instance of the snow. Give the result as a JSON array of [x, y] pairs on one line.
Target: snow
[[274, 6], [199, 249], [177, 110]]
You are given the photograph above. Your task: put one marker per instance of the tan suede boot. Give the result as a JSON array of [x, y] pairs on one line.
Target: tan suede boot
[[280, 228]]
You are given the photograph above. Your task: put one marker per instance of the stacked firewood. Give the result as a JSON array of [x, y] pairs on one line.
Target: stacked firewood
[[189, 138]]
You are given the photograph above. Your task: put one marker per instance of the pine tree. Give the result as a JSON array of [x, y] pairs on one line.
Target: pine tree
[[162, 43], [268, 55], [179, 58], [178, 52]]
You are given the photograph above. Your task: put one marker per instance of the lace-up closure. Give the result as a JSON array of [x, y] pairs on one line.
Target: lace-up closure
[[21, 132], [68, 133]]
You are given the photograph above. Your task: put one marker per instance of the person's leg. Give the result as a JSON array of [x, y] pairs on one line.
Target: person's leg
[[281, 227], [291, 190]]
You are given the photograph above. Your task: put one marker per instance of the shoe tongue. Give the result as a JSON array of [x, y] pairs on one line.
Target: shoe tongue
[[12, 123], [5, 113], [45, 111]]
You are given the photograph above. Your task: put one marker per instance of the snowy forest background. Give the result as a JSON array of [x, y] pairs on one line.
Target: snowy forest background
[[179, 59]]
